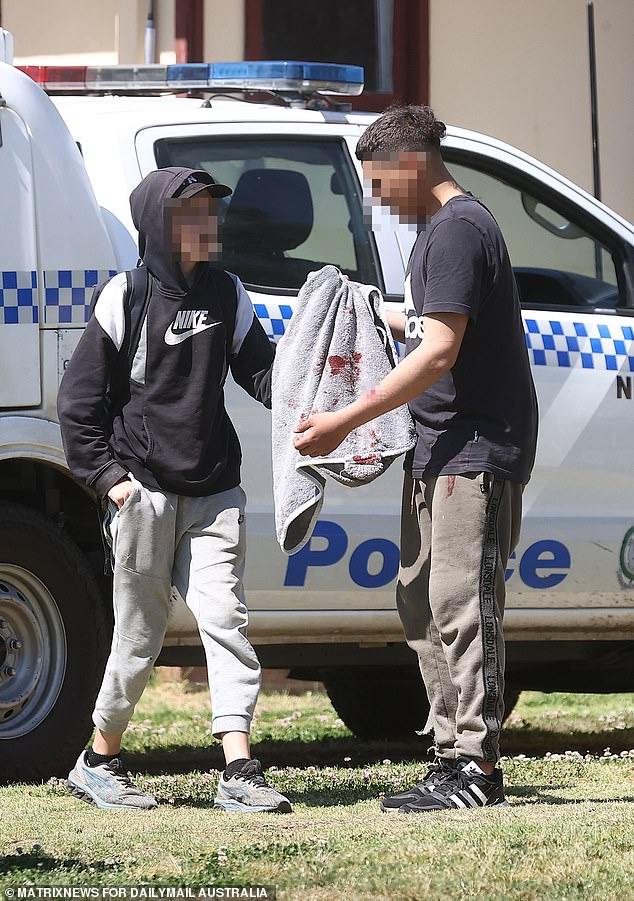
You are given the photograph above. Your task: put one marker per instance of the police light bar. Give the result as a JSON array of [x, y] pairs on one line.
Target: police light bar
[[282, 76], [303, 78], [57, 78], [126, 78]]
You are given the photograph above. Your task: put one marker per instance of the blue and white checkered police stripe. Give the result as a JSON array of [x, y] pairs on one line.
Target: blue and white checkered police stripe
[[18, 298], [588, 344], [274, 317], [67, 294], [551, 342]]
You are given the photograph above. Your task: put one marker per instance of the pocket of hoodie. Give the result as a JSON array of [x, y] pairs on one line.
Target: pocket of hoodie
[[149, 440]]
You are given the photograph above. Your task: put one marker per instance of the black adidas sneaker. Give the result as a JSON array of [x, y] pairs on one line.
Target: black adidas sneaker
[[469, 787], [440, 770]]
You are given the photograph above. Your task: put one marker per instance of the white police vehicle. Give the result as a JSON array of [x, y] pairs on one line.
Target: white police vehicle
[[328, 611]]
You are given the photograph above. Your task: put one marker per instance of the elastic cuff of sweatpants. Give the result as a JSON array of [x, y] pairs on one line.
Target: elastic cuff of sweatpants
[[110, 726], [230, 723]]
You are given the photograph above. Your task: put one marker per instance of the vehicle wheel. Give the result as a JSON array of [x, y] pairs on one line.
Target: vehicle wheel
[[511, 697], [386, 703], [53, 647], [378, 703]]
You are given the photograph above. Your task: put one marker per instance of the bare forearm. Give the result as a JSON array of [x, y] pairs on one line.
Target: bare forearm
[[321, 433], [396, 322], [418, 372]]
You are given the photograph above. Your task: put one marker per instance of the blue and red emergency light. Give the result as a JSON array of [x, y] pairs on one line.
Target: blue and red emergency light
[[283, 76]]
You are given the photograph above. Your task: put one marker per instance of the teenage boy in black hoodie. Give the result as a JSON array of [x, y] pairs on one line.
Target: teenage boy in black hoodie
[[167, 460]]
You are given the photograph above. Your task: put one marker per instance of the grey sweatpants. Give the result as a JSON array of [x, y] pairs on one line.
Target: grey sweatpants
[[198, 544], [457, 533]]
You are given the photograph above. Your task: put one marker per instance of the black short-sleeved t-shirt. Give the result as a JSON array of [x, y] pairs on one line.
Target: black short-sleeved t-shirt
[[482, 415]]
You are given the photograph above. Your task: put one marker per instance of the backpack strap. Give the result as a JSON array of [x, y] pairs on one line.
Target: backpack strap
[[96, 293], [227, 295], [135, 305], [137, 299]]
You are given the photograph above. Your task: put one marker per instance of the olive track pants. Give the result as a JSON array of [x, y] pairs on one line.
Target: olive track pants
[[457, 533]]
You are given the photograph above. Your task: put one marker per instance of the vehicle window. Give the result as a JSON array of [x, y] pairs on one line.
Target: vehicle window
[[556, 262], [295, 207]]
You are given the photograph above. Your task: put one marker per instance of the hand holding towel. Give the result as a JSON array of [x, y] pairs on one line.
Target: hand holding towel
[[336, 347]]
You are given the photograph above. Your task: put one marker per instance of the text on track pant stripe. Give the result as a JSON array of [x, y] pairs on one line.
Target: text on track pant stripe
[[457, 533]]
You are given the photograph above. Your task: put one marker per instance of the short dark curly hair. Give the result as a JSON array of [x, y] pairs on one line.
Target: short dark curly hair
[[401, 128]]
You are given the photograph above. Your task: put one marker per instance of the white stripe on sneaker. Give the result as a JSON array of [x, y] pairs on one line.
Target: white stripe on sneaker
[[469, 798], [478, 791], [457, 801]]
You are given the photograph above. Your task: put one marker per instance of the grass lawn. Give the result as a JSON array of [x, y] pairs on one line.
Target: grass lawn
[[569, 833]]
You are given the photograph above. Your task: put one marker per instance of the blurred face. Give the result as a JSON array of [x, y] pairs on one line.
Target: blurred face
[[400, 181], [194, 228]]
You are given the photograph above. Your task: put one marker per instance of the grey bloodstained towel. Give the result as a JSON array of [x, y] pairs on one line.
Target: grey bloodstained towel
[[336, 347]]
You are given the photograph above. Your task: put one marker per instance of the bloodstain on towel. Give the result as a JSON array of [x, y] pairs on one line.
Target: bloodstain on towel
[[371, 458], [451, 484], [348, 367], [366, 461]]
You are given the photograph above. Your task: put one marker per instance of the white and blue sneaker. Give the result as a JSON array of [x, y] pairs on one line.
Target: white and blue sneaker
[[107, 785], [247, 791]]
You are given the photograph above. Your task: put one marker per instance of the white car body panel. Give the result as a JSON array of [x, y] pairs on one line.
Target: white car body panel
[[566, 579]]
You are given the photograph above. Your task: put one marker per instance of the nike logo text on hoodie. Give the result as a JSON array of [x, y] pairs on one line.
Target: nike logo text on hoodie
[[187, 323], [168, 425]]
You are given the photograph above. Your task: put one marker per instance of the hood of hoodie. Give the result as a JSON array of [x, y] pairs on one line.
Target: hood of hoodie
[[148, 203]]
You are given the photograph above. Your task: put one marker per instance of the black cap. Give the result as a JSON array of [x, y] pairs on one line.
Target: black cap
[[198, 181]]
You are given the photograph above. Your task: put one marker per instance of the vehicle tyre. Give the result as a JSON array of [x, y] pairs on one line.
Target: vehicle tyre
[[385, 703], [54, 641], [378, 703], [511, 697]]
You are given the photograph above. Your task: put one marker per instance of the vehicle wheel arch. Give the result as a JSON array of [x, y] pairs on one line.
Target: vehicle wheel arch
[[40, 480]]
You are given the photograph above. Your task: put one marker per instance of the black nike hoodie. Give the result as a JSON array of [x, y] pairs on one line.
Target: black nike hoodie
[[166, 422]]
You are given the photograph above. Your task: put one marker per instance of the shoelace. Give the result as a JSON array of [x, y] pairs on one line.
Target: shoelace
[[442, 771], [457, 781], [116, 768]]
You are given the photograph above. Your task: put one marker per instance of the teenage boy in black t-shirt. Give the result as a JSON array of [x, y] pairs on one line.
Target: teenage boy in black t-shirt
[[467, 380]]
